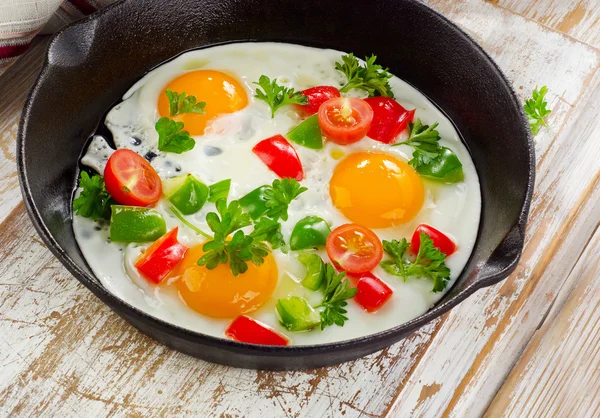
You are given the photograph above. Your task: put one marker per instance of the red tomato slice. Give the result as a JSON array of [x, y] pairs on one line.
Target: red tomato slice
[[131, 180], [440, 241], [280, 156], [372, 292], [389, 119], [345, 120], [161, 257], [316, 96], [354, 248], [248, 330]]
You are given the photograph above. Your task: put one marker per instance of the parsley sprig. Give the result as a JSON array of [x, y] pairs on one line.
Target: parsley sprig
[[276, 95], [336, 290], [93, 201], [280, 195], [172, 137], [429, 262], [269, 230], [425, 141], [536, 109], [180, 103], [372, 78]]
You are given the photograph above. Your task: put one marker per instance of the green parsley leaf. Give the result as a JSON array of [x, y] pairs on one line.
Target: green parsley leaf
[[372, 78], [180, 103], [269, 230], [93, 201], [280, 195], [172, 137], [424, 140], [276, 96], [536, 109], [336, 290], [429, 262]]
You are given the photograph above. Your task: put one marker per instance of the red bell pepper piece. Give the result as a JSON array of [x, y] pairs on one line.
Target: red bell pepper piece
[[161, 257], [280, 156], [440, 241], [372, 292], [389, 119], [247, 330], [316, 97]]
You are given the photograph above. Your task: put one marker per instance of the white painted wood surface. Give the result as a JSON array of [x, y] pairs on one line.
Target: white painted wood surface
[[525, 347]]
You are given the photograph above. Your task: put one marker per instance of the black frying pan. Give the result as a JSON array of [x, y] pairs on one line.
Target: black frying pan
[[90, 64]]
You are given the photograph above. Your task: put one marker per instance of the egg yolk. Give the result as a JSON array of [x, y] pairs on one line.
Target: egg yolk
[[218, 293], [221, 93], [376, 190]]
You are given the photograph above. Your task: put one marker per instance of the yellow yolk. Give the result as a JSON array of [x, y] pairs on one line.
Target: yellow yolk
[[218, 293], [221, 93], [376, 190]]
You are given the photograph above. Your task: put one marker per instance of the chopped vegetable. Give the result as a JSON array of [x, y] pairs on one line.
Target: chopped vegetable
[[219, 190], [135, 224], [295, 314], [345, 120], [372, 293], [389, 119], [161, 257], [189, 194], [276, 95], [180, 103], [172, 137], [93, 201], [308, 133], [536, 109], [309, 232], [315, 270], [370, 77], [430, 159], [248, 330], [131, 180], [429, 262], [280, 156], [354, 248], [254, 203], [316, 96], [440, 241], [336, 290]]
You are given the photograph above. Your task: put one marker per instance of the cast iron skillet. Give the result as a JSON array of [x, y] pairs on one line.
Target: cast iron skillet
[[90, 64]]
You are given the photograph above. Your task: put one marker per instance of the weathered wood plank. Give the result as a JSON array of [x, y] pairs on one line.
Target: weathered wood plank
[[558, 373], [577, 18], [14, 86]]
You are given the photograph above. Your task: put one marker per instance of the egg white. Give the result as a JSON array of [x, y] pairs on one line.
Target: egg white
[[453, 209]]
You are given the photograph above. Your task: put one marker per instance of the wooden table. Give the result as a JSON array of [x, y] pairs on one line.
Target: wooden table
[[525, 347]]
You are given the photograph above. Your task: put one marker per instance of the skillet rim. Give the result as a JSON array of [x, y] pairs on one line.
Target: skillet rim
[[480, 281]]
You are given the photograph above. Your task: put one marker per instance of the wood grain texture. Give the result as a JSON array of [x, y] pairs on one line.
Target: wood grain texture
[[63, 353]]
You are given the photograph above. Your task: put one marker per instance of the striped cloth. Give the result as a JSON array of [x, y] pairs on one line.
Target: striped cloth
[[21, 20]]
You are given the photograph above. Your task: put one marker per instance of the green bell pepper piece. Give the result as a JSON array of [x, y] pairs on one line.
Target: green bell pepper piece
[[254, 203], [315, 270], [446, 168], [295, 314], [219, 190], [309, 232], [135, 224], [308, 133], [190, 196]]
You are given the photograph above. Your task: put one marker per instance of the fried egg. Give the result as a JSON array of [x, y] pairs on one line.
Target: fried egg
[[367, 182]]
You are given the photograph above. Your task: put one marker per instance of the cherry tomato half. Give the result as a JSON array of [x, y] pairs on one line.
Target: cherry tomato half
[[440, 241], [389, 119], [316, 96], [248, 330], [345, 120], [280, 156], [372, 293], [354, 248], [131, 180]]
